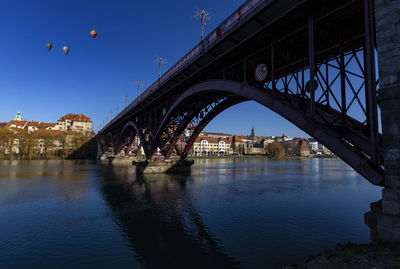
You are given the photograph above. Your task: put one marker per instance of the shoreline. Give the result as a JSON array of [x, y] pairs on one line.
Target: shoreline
[[350, 255], [262, 157], [193, 158]]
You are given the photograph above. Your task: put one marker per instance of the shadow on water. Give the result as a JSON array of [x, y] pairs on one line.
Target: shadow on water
[[157, 217]]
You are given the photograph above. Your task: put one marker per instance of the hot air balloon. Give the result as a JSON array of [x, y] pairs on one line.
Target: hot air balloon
[[66, 50], [49, 46], [93, 33]]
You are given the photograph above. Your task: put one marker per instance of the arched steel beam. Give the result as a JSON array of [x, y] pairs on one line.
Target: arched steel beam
[[179, 131], [100, 149], [275, 101], [112, 141], [137, 130], [165, 122], [211, 115]]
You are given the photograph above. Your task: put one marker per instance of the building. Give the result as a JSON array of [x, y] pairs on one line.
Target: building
[[211, 146], [313, 144], [216, 135], [75, 122], [69, 122], [304, 149], [238, 145], [265, 141], [31, 126]]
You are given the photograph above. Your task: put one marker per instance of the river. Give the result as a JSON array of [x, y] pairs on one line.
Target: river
[[228, 213]]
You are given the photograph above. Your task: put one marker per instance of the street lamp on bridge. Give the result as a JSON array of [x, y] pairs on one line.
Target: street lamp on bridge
[[138, 88], [126, 99], [160, 61], [203, 15]]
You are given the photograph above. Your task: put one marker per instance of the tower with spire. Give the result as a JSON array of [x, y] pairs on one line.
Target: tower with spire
[[253, 134], [18, 116]]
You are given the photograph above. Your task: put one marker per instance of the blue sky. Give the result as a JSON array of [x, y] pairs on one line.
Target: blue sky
[[97, 73]]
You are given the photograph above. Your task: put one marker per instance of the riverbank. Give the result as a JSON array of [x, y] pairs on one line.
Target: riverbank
[[263, 157], [373, 255], [16, 158]]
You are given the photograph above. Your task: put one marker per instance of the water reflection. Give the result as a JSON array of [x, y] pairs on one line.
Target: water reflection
[[25, 180], [157, 216], [281, 175], [251, 213]]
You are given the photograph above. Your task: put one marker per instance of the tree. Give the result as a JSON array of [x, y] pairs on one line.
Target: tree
[[45, 142], [7, 139], [276, 150], [26, 143], [60, 141]]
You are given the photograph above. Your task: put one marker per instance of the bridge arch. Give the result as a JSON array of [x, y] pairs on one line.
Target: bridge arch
[[131, 124], [109, 141], [341, 141]]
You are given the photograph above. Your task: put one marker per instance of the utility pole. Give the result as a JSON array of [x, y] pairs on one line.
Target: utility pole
[[160, 61], [138, 88], [111, 113], [117, 108], [203, 15], [126, 99]]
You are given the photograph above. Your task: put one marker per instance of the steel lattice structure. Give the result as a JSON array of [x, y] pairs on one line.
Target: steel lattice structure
[[321, 61]]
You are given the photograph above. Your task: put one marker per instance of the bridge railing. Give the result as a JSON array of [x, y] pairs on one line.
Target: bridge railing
[[209, 41]]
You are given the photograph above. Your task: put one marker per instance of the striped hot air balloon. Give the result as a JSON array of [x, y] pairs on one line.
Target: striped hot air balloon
[[93, 33]]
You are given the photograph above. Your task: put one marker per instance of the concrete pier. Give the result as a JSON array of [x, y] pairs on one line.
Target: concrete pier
[[384, 216], [119, 160], [163, 166]]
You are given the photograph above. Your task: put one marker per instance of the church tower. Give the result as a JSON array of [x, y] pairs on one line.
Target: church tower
[[18, 116], [253, 134]]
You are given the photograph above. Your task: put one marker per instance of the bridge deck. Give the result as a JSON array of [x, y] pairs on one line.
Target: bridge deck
[[253, 28]]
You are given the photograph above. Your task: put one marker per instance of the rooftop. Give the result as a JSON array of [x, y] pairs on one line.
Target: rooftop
[[75, 117]]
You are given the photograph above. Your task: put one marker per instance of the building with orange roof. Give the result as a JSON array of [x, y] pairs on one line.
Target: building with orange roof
[[238, 145], [211, 146], [304, 149], [31, 126], [75, 122]]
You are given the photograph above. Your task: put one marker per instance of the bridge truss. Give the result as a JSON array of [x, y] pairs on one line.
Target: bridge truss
[[321, 63]]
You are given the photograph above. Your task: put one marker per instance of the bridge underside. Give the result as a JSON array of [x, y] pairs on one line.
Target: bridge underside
[[203, 102], [321, 77]]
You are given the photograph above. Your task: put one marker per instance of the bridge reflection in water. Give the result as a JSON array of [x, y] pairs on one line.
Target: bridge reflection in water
[[228, 213], [157, 217]]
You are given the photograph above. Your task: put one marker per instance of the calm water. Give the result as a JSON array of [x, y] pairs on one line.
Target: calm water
[[229, 213]]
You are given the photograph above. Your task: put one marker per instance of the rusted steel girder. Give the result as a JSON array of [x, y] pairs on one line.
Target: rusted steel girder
[[348, 147]]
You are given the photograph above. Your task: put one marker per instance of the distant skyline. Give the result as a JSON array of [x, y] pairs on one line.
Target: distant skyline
[[96, 74]]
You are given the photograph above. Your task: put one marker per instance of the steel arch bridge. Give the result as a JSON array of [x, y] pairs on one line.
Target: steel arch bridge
[[321, 61]]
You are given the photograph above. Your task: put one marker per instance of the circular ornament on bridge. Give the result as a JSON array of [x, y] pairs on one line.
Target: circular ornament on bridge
[[308, 85], [261, 72]]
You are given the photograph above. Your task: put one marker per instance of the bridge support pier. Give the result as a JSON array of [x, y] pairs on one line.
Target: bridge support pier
[[163, 166], [384, 217]]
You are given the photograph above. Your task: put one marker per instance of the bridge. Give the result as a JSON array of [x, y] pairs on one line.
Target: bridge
[[312, 62]]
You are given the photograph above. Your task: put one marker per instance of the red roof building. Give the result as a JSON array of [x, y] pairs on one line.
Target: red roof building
[[75, 117]]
